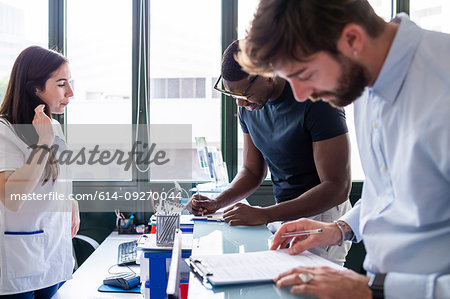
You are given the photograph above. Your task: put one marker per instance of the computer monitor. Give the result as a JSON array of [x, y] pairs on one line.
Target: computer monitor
[[173, 282]]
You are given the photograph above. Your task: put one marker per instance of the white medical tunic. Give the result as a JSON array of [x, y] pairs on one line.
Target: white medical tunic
[[35, 242]]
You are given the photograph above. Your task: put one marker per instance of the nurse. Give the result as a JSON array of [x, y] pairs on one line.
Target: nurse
[[35, 229]]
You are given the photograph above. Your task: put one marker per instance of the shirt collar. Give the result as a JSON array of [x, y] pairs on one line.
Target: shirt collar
[[398, 60], [285, 93]]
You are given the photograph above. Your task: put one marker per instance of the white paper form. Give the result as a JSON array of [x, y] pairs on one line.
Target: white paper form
[[258, 266]]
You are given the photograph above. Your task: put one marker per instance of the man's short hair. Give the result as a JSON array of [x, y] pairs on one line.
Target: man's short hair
[[296, 29], [231, 69]]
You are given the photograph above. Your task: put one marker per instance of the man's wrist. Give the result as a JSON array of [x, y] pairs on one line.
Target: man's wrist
[[216, 204], [267, 215], [220, 202], [347, 233]]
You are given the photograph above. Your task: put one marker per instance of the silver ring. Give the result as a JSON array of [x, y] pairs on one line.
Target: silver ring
[[305, 277]]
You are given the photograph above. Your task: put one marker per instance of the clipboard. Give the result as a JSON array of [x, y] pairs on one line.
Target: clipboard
[[252, 267]]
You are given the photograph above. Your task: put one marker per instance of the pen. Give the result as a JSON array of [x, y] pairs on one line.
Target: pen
[[215, 219], [129, 221], [207, 218], [198, 193], [302, 233]]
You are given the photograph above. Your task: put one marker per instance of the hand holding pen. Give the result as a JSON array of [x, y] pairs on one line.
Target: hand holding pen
[[201, 205], [304, 234]]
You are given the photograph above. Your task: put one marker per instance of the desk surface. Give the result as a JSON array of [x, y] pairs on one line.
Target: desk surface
[[219, 238], [209, 237], [89, 276]]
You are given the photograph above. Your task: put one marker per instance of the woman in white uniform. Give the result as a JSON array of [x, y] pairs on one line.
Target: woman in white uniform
[[35, 229]]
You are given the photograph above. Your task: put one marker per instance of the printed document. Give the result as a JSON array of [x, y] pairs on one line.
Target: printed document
[[257, 266]]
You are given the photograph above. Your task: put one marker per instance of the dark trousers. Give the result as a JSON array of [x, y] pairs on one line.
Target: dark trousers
[[46, 293]]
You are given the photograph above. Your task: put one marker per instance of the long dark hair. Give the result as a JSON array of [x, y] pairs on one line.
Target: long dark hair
[[31, 70]]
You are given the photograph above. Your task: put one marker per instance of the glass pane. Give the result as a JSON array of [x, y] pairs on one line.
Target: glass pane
[[99, 51], [383, 8], [246, 10], [99, 43], [184, 64], [22, 24], [431, 14], [357, 171]]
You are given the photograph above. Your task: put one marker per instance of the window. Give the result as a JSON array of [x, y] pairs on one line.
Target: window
[[101, 67], [383, 8], [246, 10], [184, 64], [431, 14], [176, 88], [357, 171], [184, 61], [99, 43], [22, 24]]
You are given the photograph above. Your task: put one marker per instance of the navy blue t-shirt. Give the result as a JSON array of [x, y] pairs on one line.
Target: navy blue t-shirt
[[283, 131]]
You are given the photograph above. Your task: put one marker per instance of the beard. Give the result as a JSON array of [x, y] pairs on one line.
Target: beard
[[354, 78]]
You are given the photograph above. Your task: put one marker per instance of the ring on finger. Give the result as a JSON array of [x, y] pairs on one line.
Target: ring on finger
[[305, 277]]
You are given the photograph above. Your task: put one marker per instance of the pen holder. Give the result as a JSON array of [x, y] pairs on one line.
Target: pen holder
[[122, 228], [166, 226]]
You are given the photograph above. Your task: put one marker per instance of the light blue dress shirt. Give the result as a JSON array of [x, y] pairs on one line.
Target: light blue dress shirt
[[403, 131]]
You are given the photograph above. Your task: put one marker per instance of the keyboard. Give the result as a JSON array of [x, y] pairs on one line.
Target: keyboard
[[127, 253]]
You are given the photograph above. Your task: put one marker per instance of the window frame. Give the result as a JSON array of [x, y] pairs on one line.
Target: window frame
[[229, 126]]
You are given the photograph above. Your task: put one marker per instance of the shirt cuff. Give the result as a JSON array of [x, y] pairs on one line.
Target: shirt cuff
[[352, 219]]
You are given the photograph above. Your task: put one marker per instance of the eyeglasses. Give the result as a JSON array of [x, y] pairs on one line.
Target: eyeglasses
[[236, 95]]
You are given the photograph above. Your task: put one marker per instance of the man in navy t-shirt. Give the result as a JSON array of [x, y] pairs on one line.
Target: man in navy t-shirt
[[304, 144]]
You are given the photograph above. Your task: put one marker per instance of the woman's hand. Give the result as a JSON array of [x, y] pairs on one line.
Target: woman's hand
[[43, 126], [75, 218]]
